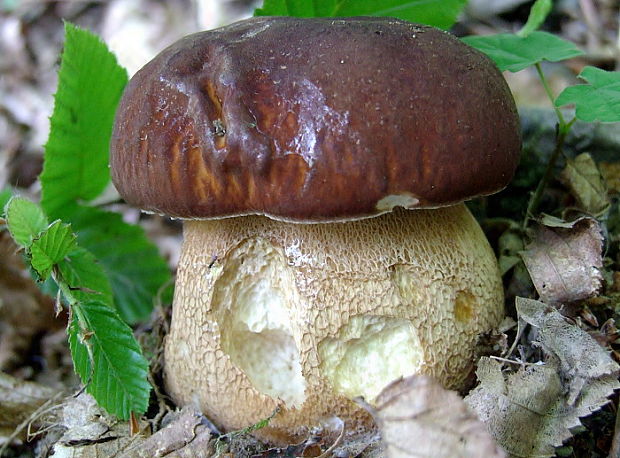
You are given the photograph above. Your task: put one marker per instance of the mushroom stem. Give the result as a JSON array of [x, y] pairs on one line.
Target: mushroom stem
[[308, 316]]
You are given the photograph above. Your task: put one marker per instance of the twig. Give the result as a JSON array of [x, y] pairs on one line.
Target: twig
[[336, 443], [25, 424], [512, 361]]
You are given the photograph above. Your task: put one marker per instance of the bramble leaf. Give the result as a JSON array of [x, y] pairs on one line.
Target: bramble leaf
[[50, 247], [597, 101], [85, 277], [106, 355], [90, 83], [438, 13], [538, 13], [514, 53], [108, 359], [25, 220], [130, 260]]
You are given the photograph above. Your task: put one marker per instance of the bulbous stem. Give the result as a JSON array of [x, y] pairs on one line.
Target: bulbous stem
[[306, 316]]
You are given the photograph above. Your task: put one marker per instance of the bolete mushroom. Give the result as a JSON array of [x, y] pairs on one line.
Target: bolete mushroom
[[294, 150]]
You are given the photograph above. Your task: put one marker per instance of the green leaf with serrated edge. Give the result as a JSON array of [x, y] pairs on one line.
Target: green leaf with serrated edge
[[84, 274], [438, 13], [538, 14], [50, 247], [108, 359], [513, 53], [131, 261], [597, 101], [90, 83], [25, 220]]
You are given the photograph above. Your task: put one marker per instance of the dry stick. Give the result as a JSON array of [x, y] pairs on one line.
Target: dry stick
[[336, 443], [32, 417]]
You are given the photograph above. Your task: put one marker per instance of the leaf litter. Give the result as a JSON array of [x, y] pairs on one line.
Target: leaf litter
[[419, 418], [565, 263], [531, 411]]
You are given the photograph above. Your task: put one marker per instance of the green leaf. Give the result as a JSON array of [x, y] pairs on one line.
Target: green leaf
[[105, 353], [50, 247], [131, 261], [108, 359], [438, 13], [85, 276], [538, 14], [514, 53], [289, 8], [90, 83], [597, 101], [25, 220], [5, 196]]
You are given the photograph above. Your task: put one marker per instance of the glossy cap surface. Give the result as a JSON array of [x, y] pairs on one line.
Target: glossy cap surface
[[313, 120]]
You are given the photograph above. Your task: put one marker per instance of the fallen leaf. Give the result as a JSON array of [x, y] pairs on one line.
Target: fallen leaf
[[25, 312], [531, 411], [565, 263], [186, 436], [611, 174], [510, 243], [419, 418], [581, 358], [19, 401], [583, 178]]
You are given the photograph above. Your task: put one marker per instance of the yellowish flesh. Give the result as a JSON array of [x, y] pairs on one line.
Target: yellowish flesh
[[368, 353], [253, 299], [307, 316]]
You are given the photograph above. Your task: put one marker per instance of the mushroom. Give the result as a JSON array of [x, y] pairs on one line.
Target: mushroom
[[295, 150]]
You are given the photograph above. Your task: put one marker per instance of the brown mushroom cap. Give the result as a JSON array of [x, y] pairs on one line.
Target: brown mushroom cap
[[313, 119]]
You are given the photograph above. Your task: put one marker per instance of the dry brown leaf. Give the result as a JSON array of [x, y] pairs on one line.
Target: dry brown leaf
[[90, 432], [24, 311], [611, 174], [584, 180], [187, 436], [565, 263], [581, 359], [530, 412], [419, 418], [18, 401]]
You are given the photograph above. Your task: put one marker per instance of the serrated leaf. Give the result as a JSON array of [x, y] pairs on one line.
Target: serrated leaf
[[438, 13], [85, 277], [131, 261], [108, 359], [90, 83], [25, 220], [514, 53], [50, 247], [580, 358], [527, 412], [539, 12], [597, 101], [533, 410]]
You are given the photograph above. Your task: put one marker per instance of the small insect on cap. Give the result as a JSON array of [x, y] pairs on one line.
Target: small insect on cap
[[313, 120]]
